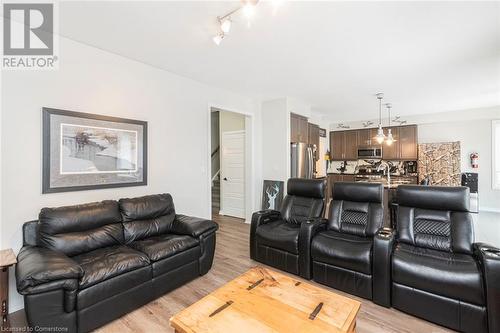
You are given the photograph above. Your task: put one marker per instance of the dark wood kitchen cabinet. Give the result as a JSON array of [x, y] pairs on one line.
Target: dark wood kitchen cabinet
[[298, 128], [408, 142], [344, 145], [337, 145], [351, 145], [313, 138], [366, 137], [392, 152]]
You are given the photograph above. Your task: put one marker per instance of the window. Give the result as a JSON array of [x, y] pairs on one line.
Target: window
[[495, 131]]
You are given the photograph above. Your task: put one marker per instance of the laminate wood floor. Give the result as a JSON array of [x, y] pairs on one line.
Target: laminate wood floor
[[232, 259]]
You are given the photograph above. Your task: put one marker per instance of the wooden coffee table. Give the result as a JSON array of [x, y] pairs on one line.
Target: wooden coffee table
[[263, 300]]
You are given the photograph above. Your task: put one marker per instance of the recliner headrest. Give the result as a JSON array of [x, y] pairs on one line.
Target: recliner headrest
[[312, 188], [434, 197], [358, 192]]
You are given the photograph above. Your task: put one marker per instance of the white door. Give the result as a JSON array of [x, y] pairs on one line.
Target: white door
[[232, 174]]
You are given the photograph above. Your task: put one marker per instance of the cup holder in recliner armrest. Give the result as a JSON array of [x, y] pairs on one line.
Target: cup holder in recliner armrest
[[385, 233]]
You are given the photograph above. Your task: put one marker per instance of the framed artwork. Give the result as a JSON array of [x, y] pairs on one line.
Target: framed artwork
[[272, 194], [83, 151]]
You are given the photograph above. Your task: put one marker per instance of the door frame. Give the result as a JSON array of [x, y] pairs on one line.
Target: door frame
[[250, 166], [221, 211]]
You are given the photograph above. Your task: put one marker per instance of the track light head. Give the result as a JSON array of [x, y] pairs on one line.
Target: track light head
[[225, 25], [218, 38]]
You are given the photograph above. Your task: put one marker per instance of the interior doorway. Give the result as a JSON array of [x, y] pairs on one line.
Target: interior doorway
[[228, 163]]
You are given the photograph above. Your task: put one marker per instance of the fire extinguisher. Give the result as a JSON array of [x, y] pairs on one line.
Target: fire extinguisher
[[474, 160]]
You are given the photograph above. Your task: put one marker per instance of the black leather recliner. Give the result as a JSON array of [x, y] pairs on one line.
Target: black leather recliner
[[282, 239], [342, 252], [436, 271], [83, 266]]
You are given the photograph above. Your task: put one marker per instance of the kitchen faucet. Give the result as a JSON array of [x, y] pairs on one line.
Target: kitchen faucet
[[385, 166]]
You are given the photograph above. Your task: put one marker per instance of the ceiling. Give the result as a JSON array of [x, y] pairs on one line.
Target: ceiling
[[425, 56]]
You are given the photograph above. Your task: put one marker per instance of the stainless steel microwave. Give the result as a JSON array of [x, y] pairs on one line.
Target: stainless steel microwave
[[369, 152]]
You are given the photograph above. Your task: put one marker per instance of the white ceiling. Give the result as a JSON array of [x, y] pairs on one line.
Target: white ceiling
[[425, 56]]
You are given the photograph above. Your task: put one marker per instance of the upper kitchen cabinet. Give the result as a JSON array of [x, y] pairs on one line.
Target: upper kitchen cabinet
[[344, 145], [351, 145], [298, 128], [337, 145], [366, 137], [392, 152], [313, 137], [408, 142]]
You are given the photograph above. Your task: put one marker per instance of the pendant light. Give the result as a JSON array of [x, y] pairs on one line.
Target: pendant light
[[390, 139], [380, 137]]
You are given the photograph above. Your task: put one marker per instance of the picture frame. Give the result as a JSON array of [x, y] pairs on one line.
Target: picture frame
[[272, 194], [84, 151]]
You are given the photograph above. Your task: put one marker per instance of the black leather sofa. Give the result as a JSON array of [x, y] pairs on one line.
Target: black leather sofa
[[283, 239], [83, 266], [342, 251], [436, 271]]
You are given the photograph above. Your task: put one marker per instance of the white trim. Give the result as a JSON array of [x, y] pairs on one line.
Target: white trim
[[495, 181], [489, 210], [250, 127]]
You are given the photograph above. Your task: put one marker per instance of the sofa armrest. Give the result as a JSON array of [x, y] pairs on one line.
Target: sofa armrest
[[193, 226], [259, 218], [40, 270], [308, 230], [489, 260], [383, 243]]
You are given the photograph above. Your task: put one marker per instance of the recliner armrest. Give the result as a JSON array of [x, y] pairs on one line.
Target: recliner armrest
[[489, 260], [259, 218], [193, 226], [39, 270], [308, 230], [383, 243]]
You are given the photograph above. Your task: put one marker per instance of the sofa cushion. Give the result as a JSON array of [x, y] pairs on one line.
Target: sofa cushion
[[183, 258], [113, 286], [81, 228], [343, 250], [452, 275], [102, 264], [147, 216], [164, 246], [279, 235]]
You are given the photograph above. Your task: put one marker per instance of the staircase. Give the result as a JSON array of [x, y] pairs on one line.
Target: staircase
[[216, 196]]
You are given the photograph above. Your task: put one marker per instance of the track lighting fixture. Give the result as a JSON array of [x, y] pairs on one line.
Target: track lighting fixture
[[247, 8]]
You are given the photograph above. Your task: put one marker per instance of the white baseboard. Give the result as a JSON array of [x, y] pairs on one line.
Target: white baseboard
[[489, 210]]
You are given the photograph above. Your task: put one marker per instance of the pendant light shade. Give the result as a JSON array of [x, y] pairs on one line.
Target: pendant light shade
[[390, 138], [380, 137]]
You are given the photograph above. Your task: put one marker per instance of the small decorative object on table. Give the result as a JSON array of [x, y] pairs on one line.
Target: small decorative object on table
[[272, 194], [83, 151], [7, 259]]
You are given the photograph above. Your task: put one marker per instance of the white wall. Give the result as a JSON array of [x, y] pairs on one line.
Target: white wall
[[474, 136], [94, 81], [275, 140]]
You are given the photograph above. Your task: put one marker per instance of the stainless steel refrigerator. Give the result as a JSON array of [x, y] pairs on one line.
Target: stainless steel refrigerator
[[302, 159]]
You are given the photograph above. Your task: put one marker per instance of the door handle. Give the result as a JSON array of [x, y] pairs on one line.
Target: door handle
[[225, 179]]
